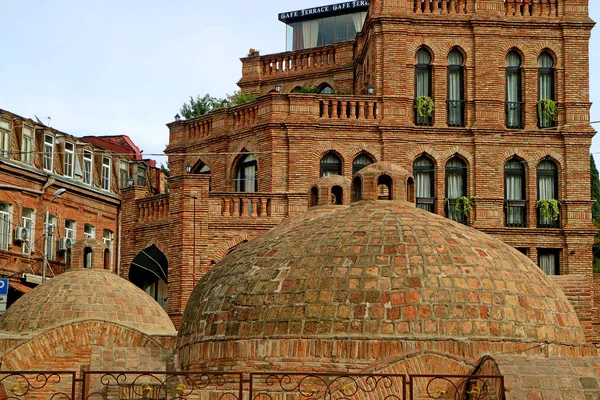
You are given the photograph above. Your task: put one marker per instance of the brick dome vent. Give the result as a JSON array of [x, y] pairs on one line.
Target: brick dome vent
[[84, 295], [377, 270], [383, 181]]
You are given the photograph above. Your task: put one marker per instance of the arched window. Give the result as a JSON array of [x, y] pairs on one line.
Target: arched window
[[314, 196], [330, 165], [423, 84], [337, 195], [547, 188], [514, 194], [245, 176], [456, 90], [326, 89], [456, 188], [424, 173], [546, 116], [149, 271], [514, 95], [384, 188], [356, 189], [87, 257], [361, 161]]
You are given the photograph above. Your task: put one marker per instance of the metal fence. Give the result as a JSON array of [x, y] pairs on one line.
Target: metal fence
[[157, 385]]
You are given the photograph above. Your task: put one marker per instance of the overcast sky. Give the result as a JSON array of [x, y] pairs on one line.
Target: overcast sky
[[125, 67]]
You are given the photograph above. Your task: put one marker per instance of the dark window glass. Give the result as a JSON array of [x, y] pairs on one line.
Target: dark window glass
[[514, 96], [245, 178], [515, 205], [547, 188], [456, 186], [456, 91], [330, 165], [361, 161], [545, 87], [424, 173], [423, 83], [548, 260]]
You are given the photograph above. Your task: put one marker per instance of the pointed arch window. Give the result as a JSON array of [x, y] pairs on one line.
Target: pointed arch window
[[514, 95], [545, 89], [245, 176], [330, 165], [326, 89], [424, 173], [547, 190], [515, 204], [456, 186], [456, 90], [361, 161], [423, 84]]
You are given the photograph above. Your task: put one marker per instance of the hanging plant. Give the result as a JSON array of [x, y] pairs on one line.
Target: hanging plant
[[549, 209], [547, 110], [253, 52], [424, 106], [462, 204]]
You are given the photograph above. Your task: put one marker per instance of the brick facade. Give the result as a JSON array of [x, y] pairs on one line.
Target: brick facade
[[289, 133]]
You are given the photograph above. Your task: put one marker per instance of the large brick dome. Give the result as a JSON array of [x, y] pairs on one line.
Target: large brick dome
[[86, 295], [375, 271]]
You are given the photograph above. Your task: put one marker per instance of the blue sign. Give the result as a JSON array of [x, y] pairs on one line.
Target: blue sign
[[3, 286]]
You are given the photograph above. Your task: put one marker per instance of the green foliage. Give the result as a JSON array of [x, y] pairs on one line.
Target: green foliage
[[547, 109], [253, 52], [424, 106], [166, 170], [199, 106], [548, 209], [462, 204], [202, 105], [595, 194], [307, 89]]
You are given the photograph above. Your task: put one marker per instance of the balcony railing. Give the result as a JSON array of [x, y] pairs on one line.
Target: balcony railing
[[426, 120], [347, 108], [515, 213], [514, 114], [543, 8], [544, 122], [441, 6], [456, 112], [426, 203]]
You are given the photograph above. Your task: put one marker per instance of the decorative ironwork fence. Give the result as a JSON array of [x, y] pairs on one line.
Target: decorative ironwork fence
[[157, 385]]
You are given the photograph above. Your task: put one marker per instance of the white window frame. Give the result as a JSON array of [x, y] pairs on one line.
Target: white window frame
[[69, 159], [28, 222], [107, 237], [123, 174], [48, 153], [88, 167], [5, 133], [89, 231], [27, 145], [70, 229], [105, 173], [5, 226]]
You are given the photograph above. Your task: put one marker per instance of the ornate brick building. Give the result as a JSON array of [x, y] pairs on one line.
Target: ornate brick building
[[71, 185], [484, 102]]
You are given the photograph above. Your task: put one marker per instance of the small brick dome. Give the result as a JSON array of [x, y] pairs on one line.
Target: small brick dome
[[85, 295], [377, 270]]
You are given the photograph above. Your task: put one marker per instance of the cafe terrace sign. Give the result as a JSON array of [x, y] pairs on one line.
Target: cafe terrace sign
[[316, 12]]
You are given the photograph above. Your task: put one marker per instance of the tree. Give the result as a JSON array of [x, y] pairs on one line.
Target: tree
[[202, 105], [199, 106], [166, 170], [595, 181]]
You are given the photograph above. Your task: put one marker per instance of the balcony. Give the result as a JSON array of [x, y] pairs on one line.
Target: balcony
[[514, 114], [456, 112], [441, 6], [515, 213], [453, 214], [545, 221], [532, 8]]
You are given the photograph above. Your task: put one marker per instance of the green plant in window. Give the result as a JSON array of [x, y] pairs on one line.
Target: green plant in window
[[549, 209], [307, 89], [462, 204], [424, 106], [547, 110]]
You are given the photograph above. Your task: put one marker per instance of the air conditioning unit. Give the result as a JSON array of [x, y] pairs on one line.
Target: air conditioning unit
[[64, 244], [21, 234]]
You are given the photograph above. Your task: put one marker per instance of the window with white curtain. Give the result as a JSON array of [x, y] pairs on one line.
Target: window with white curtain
[[548, 261], [5, 226], [424, 173], [423, 82], [48, 152], [50, 227], [547, 188], [245, 178], [87, 167], [360, 161], [70, 229], [514, 95], [456, 186], [330, 165], [514, 193], [89, 231], [456, 91], [106, 173], [545, 85]]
